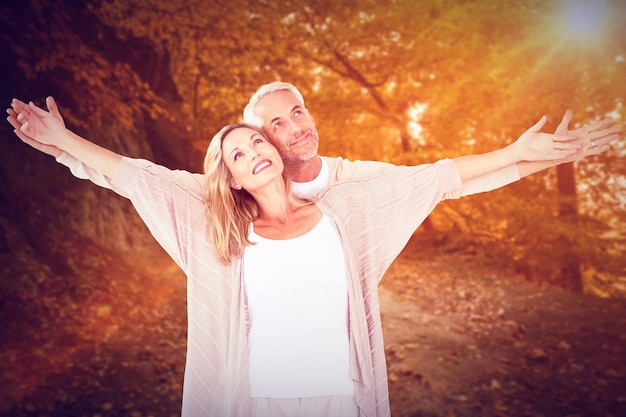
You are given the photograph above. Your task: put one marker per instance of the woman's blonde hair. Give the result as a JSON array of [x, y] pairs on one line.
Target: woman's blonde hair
[[230, 212]]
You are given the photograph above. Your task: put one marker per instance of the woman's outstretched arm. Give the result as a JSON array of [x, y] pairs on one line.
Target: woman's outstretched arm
[[532, 145], [43, 131], [47, 149], [535, 150]]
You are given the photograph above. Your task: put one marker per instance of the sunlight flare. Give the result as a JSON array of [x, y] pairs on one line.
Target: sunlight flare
[[585, 22], [584, 18]]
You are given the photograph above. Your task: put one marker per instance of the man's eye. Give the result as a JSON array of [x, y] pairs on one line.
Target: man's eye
[[297, 113], [278, 125]]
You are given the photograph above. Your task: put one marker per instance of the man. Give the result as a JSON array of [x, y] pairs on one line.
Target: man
[[278, 108]]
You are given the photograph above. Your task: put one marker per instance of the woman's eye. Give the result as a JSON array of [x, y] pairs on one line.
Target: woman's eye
[[237, 156], [258, 140]]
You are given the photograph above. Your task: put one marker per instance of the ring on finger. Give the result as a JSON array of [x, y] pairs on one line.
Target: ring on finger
[[594, 144]]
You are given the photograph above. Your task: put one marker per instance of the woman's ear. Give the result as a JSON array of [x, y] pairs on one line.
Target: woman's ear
[[234, 184]]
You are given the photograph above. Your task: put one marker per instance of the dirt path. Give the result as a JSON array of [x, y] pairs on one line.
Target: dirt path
[[473, 344], [463, 338]]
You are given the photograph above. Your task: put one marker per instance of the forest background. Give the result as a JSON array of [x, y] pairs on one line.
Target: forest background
[[400, 81]]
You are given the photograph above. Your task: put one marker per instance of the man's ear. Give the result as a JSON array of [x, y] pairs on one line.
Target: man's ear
[[234, 184]]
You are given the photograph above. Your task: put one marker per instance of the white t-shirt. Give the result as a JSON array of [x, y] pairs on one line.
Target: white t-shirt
[[308, 189], [298, 303]]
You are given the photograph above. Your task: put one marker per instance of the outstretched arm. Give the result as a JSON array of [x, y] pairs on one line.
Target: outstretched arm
[[532, 145], [43, 131], [78, 169], [594, 139]]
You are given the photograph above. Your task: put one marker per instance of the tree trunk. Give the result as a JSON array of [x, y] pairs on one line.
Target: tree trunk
[[571, 276]]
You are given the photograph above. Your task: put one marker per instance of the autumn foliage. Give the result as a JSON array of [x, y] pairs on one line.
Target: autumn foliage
[[402, 81]]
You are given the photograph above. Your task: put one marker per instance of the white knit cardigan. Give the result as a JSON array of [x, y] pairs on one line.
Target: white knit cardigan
[[374, 219]]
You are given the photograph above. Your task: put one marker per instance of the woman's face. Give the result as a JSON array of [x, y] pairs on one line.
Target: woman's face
[[252, 161]]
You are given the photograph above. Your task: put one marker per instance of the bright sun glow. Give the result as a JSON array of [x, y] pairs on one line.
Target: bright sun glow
[[584, 18], [580, 26]]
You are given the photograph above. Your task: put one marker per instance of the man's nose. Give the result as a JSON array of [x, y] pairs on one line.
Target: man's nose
[[295, 126]]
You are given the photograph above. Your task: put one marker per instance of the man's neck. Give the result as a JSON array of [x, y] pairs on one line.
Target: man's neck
[[306, 171]]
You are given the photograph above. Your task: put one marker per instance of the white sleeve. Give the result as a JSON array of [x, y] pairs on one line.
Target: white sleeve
[[487, 182], [194, 182], [84, 172]]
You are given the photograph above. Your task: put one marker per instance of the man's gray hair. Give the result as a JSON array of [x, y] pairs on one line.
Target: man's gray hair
[[249, 115]]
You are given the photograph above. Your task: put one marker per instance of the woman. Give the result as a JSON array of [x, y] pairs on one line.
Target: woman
[[282, 293]]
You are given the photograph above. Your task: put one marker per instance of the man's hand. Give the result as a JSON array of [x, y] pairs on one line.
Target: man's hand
[[594, 138]]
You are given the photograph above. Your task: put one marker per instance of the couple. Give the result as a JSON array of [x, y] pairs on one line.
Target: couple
[[283, 309]]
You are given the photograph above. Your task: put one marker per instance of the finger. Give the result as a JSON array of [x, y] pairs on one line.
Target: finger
[[596, 151], [606, 140], [560, 146], [598, 134], [601, 139], [564, 138], [563, 127], [609, 139], [537, 126], [13, 121], [561, 154], [18, 105], [37, 110], [600, 124], [24, 127], [53, 108], [11, 113]]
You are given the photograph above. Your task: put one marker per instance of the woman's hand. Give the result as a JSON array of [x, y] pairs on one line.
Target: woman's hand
[[47, 149], [36, 123], [567, 145], [46, 131], [534, 145]]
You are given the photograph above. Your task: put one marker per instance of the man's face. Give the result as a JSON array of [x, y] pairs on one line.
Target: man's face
[[289, 126]]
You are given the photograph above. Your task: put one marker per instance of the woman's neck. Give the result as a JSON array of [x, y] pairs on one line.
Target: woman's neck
[[273, 201], [282, 216]]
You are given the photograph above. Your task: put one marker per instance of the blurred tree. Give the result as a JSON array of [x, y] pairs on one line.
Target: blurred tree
[[394, 80], [570, 57]]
